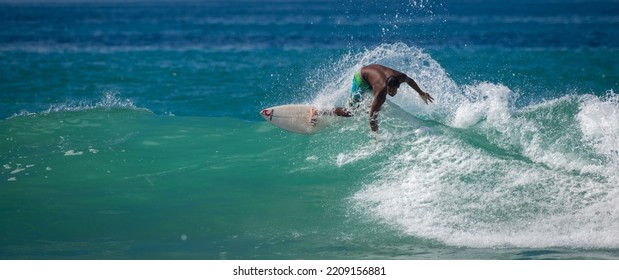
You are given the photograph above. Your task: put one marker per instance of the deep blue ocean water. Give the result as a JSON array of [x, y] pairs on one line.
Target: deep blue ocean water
[[130, 130]]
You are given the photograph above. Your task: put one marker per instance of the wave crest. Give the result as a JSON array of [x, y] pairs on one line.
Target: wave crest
[[109, 100]]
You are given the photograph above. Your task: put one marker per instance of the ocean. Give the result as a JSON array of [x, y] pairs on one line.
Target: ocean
[[131, 130]]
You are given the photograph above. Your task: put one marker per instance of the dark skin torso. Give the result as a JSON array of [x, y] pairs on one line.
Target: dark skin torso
[[376, 75]]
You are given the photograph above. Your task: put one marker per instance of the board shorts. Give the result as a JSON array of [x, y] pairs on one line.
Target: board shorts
[[359, 87]]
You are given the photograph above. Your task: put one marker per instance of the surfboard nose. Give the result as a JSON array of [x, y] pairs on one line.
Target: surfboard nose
[[267, 114]]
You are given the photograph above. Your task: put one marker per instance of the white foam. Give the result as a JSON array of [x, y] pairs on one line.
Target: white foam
[[444, 189], [484, 101], [73, 153], [423, 131], [311, 158], [599, 123], [347, 158], [17, 170]]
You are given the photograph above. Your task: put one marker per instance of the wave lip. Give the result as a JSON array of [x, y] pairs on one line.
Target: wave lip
[[108, 100]]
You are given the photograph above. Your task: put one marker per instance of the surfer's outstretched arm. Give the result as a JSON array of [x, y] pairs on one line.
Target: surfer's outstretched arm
[[424, 95]]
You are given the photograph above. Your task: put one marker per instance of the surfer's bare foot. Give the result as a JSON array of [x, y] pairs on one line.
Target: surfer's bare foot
[[339, 111]]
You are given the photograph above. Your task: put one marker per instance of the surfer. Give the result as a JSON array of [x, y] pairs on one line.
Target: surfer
[[380, 80]]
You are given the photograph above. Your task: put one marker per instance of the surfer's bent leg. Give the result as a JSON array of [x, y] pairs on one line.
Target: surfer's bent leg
[[360, 87]]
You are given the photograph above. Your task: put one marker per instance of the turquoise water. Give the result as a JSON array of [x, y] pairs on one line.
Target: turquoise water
[[131, 131]]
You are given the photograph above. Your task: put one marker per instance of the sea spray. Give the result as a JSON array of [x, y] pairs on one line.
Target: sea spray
[[413, 61], [598, 122]]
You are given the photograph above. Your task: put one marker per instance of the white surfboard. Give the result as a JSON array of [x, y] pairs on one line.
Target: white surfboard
[[296, 118]]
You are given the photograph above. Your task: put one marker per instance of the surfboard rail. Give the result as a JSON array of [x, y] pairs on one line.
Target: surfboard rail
[[297, 118]]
